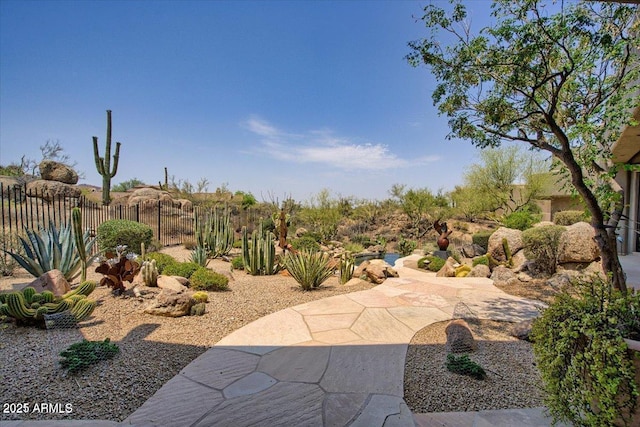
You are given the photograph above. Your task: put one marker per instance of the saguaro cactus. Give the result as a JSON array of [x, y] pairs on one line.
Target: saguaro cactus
[[103, 164]]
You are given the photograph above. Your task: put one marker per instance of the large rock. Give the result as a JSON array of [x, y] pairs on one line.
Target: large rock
[[142, 196], [502, 274], [514, 240], [448, 269], [577, 244], [55, 171], [170, 283], [170, 304], [50, 190], [53, 281], [376, 271], [472, 250], [459, 337], [11, 187], [480, 270]]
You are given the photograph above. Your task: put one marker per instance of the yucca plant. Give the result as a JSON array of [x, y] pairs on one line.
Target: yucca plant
[[347, 266], [199, 256], [310, 269], [52, 249]]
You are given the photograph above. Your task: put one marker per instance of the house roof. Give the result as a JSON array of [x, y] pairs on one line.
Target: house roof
[[627, 147]]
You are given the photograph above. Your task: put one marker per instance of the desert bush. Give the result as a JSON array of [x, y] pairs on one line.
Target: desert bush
[[521, 220], [190, 244], [309, 269], [237, 263], [162, 260], [406, 247], [305, 243], [354, 247], [82, 355], [116, 232], [570, 217], [435, 263], [362, 239], [182, 269], [204, 279], [481, 238], [541, 246]]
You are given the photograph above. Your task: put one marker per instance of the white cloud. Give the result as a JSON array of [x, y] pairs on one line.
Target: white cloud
[[323, 147]]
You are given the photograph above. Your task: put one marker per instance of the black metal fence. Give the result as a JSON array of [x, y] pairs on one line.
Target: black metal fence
[[171, 221]]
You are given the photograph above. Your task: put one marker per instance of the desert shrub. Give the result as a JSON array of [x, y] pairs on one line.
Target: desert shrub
[[200, 296], [237, 263], [541, 246], [204, 279], [116, 232], [406, 247], [162, 260], [309, 269], [354, 247], [81, 355], [484, 260], [482, 239], [154, 246], [182, 269], [305, 243], [521, 220], [237, 244], [435, 263], [570, 217], [464, 366], [190, 244], [362, 239]]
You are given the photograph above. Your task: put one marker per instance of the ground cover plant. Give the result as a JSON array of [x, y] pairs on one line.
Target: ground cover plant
[[82, 355]]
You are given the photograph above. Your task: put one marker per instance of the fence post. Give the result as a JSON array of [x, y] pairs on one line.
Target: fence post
[[159, 207]]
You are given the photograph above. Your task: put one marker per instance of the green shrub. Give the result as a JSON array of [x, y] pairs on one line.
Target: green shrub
[[579, 348], [464, 366], [570, 217], [406, 247], [81, 355], [237, 263], [162, 260], [484, 260], [200, 296], [541, 246], [237, 244], [354, 248], [363, 239], [521, 220], [435, 263], [182, 269], [204, 279], [306, 243], [482, 239], [117, 232], [309, 269]]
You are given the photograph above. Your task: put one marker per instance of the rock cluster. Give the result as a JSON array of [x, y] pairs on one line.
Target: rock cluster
[[374, 271]]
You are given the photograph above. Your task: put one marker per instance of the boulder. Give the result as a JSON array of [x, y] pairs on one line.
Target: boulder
[[519, 261], [50, 190], [170, 304], [355, 282], [514, 240], [502, 274], [300, 232], [11, 187], [479, 270], [577, 244], [146, 195], [459, 337], [376, 271], [53, 281], [51, 170], [472, 250], [448, 269], [522, 330], [170, 283]]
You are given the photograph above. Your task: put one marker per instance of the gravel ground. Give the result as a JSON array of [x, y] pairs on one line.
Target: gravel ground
[[512, 378], [153, 349]]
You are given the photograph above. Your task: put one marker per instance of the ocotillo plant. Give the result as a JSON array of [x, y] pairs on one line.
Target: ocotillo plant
[[103, 164], [78, 235]]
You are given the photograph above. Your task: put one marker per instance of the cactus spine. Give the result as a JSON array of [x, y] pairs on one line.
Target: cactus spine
[[78, 235], [149, 271], [103, 164]]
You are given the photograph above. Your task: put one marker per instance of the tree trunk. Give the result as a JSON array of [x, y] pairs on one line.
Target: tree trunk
[[606, 241]]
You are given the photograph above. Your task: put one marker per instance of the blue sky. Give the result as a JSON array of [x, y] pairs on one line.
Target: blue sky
[[271, 97]]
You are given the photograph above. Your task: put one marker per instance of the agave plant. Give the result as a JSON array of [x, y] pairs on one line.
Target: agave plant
[[199, 256], [310, 269], [52, 249]]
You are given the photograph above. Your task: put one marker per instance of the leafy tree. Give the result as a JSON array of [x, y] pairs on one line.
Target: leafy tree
[[322, 214], [559, 82], [127, 185], [420, 205]]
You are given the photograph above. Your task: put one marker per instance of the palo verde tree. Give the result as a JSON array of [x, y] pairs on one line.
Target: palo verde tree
[[103, 164], [560, 82]]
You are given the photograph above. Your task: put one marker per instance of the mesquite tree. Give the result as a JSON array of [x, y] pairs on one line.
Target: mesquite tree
[[561, 82], [103, 164]]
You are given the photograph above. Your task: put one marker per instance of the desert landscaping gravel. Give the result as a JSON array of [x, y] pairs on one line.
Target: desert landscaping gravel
[[154, 349]]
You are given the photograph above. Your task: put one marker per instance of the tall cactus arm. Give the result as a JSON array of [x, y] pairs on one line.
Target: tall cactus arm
[[116, 157], [99, 160]]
